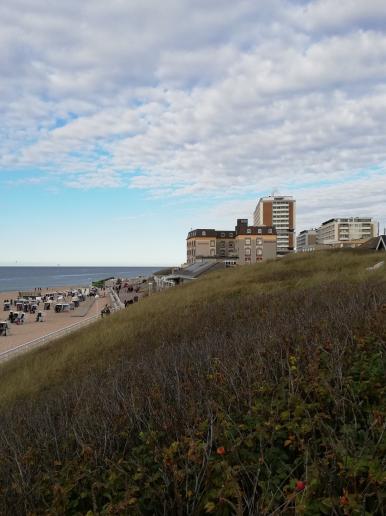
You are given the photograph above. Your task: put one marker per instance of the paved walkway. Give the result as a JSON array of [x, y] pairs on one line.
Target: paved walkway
[[31, 330]]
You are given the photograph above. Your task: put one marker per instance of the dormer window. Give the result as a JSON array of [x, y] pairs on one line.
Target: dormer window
[[204, 233], [249, 231]]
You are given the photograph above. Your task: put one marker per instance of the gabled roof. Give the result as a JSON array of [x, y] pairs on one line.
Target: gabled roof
[[381, 246], [377, 243]]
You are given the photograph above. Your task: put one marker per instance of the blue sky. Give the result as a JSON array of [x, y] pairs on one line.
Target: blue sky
[[125, 124]]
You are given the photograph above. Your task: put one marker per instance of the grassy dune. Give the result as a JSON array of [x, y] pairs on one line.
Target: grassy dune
[[258, 390]]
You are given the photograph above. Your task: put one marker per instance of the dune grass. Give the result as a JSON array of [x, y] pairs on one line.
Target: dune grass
[[96, 344], [215, 397]]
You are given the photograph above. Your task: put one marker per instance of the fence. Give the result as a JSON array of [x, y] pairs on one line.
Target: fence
[[58, 333], [47, 338]]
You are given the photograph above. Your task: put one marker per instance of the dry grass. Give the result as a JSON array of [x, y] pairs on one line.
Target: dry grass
[[96, 345], [160, 385]]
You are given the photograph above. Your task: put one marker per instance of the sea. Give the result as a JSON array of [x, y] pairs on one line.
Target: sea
[[28, 278]]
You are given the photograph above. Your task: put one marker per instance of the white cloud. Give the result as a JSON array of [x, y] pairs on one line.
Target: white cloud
[[325, 15], [195, 98]]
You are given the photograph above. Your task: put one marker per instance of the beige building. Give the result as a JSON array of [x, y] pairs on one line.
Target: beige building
[[346, 232], [280, 212], [246, 244], [200, 243], [225, 244], [254, 243]]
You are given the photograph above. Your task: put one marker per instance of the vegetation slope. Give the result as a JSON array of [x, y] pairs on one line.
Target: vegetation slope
[[259, 390]]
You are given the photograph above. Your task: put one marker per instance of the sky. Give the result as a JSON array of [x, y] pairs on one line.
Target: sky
[[124, 124]]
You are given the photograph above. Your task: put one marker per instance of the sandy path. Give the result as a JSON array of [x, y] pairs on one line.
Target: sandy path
[[54, 321]]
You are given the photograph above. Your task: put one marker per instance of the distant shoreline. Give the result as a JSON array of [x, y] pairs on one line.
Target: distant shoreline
[[18, 278]]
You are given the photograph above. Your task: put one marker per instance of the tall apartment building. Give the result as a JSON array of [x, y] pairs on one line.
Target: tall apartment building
[[279, 212], [306, 240], [246, 244], [347, 232]]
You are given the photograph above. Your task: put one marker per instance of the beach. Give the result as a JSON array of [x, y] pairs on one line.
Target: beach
[[30, 330]]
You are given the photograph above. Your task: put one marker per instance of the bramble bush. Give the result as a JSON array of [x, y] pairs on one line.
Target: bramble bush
[[258, 402]]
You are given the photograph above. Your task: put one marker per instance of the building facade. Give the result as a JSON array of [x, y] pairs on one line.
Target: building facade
[[306, 240], [346, 232], [245, 245], [255, 243], [280, 212], [201, 242], [225, 244]]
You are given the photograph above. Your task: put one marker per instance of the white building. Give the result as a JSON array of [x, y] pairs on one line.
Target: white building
[[347, 232]]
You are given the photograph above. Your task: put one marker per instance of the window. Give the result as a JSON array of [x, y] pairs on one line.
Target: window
[[247, 241], [204, 233], [259, 252], [212, 252], [222, 235], [212, 243], [247, 252], [259, 231], [270, 230], [249, 231], [230, 235], [258, 241]]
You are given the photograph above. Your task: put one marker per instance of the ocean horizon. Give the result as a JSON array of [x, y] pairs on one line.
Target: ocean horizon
[[15, 278]]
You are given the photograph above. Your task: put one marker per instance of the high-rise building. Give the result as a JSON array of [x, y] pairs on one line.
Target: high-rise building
[[347, 232], [280, 212]]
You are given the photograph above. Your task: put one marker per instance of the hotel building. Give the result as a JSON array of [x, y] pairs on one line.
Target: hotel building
[[279, 212], [346, 232], [246, 244]]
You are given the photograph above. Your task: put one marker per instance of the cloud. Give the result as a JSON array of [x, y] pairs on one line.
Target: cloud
[[329, 15], [184, 98]]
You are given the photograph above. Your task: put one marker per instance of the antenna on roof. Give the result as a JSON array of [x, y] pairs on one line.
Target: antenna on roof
[[274, 191]]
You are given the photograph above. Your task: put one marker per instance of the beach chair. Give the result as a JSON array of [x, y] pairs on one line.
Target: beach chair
[[4, 328]]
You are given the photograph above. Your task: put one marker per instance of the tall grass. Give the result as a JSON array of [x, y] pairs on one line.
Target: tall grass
[[217, 397]]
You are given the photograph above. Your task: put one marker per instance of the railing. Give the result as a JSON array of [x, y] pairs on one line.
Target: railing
[[46, 338], [50, 336], [116, 301], [59, 333]]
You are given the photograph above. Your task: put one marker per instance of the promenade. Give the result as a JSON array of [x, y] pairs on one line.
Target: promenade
[[31, 330]]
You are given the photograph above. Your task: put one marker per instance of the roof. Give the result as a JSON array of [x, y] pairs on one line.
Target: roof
[[197, 269], [256, 230], [242, 228], [348, 219], [202, 232], [377, 243], [312, 230], [277, 198], [225, 234]]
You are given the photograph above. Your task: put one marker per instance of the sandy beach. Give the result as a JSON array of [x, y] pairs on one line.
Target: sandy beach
[[30, 330]]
